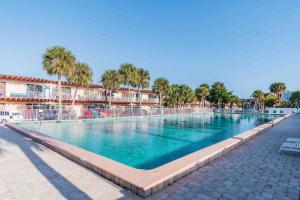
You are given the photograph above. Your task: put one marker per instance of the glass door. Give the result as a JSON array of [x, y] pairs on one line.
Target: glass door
[[2, 89]]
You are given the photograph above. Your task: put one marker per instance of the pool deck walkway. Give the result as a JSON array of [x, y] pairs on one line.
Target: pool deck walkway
[[254, 170]]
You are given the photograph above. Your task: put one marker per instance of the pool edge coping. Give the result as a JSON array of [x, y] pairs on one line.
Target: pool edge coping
[[144, 182]]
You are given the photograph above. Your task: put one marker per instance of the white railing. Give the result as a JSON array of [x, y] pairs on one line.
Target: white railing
[[95, 113], [281, 110]]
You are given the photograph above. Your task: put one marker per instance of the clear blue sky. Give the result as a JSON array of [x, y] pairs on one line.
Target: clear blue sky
[[245, 44]]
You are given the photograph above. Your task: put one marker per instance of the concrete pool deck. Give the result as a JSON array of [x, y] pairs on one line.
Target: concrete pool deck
[[29, 170], [254, 169], [139, 181]]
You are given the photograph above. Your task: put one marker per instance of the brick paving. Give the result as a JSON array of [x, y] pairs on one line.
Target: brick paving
[[254, 170]]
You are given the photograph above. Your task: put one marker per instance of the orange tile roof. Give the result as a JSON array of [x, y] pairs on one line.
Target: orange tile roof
[[64, 83]]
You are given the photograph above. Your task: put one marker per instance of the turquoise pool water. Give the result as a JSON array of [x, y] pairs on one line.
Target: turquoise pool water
[[149, 142]]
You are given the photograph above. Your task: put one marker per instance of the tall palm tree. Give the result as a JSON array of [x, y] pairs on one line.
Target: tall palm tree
[[172, 97], [61, 62], [260, 96], [111, 80], [270, 99], [142, 81], [81, 76], [202, 92], [161, 87], [233, 100], [129, 76], [218, 94], [179, 96], [187, 95], [278, 88], [295, 98]]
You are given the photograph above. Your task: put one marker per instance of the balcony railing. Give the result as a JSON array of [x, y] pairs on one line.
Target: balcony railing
[[36, 95]]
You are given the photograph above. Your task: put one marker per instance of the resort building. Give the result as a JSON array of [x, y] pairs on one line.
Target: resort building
[[21, 93]]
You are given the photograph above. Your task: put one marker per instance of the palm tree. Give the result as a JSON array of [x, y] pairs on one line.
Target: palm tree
[[61, 62], [179, 96], [143, 81], [187, 95], [161, 87], [278, 88], [260, 96], [111, 80], [129, 77], [233, 100], [295, 98], [81, 76], [202, 92], [172, 97], [270, 99], [218, 94]]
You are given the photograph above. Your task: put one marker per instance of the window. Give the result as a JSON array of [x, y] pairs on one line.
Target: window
[[2, 89], [66, 90], [88, 92], [152, 96]]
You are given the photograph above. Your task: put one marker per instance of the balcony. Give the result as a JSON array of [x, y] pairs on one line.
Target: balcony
[[36, 95], [92, 98], [134, 100]]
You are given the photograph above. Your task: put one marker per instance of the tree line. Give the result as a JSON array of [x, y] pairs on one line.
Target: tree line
[[62, 63], [180, 95], [274, 97]]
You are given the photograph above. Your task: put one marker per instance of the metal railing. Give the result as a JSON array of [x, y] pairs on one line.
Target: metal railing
[[95, 113], [98, 113]]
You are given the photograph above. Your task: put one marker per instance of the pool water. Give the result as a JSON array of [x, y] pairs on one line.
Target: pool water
[[149, 142]]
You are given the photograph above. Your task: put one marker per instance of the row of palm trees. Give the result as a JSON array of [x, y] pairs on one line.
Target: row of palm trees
[[62, 63], [271, 98], [176, 95], [128, 75]]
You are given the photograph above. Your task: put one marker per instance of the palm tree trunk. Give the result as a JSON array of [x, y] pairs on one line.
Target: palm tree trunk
[[160, 100], [160, 104], [110, 94], [74, 98], [60, 97], [130, 100], [140, 99]]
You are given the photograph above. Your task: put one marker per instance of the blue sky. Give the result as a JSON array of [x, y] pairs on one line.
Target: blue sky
[[245, 44]]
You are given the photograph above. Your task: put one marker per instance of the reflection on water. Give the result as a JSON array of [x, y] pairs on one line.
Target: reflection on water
[[151, 141]]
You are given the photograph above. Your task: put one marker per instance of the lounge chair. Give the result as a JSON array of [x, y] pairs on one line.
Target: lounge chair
[[297, 140], [292, 147]]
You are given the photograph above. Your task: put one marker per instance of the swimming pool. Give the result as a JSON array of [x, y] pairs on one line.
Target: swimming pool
[[149, 142]]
